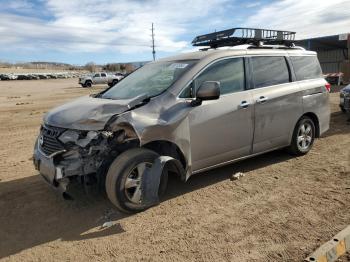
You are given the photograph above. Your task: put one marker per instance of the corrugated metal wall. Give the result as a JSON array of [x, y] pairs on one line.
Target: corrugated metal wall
[[330, 60]]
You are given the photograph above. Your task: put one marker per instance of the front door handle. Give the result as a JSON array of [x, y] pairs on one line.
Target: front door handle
[[244, 104], [262, 99]]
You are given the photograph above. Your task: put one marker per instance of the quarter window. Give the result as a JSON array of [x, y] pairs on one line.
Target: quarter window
[[270, 71], [306, 67]]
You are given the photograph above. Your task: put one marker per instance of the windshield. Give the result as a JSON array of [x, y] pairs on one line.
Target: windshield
[[150, 80]]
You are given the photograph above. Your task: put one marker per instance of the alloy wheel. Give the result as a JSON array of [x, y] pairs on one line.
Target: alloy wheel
[[304, 138], [133, 190]]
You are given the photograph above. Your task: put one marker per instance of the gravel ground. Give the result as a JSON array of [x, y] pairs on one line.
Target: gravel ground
[[281, 210]]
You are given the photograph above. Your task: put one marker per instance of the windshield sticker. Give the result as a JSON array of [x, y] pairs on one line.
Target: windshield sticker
[[177, 65]]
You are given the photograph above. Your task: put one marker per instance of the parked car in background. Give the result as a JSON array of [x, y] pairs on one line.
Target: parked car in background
[[345, 99], [99, 78]]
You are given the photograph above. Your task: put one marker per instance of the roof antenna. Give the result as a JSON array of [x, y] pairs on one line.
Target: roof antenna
[[153, 51]]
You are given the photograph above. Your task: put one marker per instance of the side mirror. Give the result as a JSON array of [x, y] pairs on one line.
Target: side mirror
[[209, 90]]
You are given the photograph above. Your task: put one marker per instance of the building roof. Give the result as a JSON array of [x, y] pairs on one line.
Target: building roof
[[324, 43]]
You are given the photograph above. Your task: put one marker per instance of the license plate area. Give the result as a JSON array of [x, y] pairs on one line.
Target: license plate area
[[47, 169]]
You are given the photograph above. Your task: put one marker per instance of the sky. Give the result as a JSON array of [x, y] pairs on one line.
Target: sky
[[106, 31]]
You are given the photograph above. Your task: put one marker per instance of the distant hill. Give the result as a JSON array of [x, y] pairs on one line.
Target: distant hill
[[139, 64], [50, 64], [57, 66]]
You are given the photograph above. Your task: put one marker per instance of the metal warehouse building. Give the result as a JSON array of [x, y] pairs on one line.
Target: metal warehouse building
[[333, 52]]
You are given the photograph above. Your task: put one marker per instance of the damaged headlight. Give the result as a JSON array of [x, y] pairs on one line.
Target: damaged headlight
[[81, 139]]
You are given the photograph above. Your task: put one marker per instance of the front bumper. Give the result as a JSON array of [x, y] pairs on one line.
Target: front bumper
[[345, 102], [52, 174]]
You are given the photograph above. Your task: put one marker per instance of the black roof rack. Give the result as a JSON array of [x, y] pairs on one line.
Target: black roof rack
[[242, 35]]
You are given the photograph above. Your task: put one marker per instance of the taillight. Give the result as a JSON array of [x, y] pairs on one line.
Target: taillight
[[328, 86]]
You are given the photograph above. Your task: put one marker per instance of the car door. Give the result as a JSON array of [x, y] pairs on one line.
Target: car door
[[96, 79], [104, 79], [278, 102], [222, 129]]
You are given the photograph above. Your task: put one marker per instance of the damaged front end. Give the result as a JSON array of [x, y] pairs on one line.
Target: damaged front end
[[63, 156], [81, 140]]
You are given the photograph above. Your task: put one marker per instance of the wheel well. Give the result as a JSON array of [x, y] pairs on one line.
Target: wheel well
[[168, 149], [314, 118]]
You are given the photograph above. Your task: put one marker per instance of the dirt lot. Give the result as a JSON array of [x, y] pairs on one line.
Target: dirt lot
[[282, 209]]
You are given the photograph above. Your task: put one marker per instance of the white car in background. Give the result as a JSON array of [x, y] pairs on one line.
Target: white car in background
[[100, 78]]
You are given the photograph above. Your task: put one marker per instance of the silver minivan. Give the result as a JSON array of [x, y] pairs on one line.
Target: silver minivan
[[184, 115]]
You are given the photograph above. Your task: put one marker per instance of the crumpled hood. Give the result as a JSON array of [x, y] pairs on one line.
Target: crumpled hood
[[86, 113]]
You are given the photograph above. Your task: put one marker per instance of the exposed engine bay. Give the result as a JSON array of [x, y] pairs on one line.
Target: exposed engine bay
[[79, 155]]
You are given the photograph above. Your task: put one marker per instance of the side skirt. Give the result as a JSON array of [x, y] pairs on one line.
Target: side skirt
[[235, 160]]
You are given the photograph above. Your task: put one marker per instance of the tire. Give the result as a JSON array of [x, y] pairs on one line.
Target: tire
[[88, 84], [114, 82], [124, 167], [342, 109], [303, 137], [83, 85]]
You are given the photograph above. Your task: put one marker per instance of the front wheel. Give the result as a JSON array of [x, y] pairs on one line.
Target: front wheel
[[303, 137], [123, 181]]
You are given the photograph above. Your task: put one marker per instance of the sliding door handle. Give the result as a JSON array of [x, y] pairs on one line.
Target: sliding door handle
[[244, 104], [262, 99]]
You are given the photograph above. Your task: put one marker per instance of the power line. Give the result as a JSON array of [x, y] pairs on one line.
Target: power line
[[153, 51]]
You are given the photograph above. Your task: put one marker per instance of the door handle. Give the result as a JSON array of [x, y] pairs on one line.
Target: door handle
[[262, 99], [244, 104]]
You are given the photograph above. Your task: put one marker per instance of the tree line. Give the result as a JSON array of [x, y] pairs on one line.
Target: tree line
[[110, 67]]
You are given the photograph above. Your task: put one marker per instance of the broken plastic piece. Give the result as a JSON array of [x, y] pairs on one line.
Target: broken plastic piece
[[151, 179], [107, 224], [237, 175], [85, 141]]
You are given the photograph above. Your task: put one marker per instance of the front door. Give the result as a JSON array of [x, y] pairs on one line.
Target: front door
[[222, 129], [97, 79]]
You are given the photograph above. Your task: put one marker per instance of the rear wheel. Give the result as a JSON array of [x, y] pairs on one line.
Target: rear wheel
[[88, 84], [123, 181], [114, 82], [303, 136]]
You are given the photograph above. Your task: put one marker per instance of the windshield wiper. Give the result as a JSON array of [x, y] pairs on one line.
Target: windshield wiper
[[138, 101]]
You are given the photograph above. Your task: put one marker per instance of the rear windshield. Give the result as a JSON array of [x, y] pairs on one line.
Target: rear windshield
[[150, 80], [306, 67]]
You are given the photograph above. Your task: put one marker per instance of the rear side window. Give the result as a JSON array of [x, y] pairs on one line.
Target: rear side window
[[103, 75], [229, 72], [306, 67], [270, 71]]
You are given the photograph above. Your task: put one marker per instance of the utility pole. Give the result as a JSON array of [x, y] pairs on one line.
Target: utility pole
[[153, 51]]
